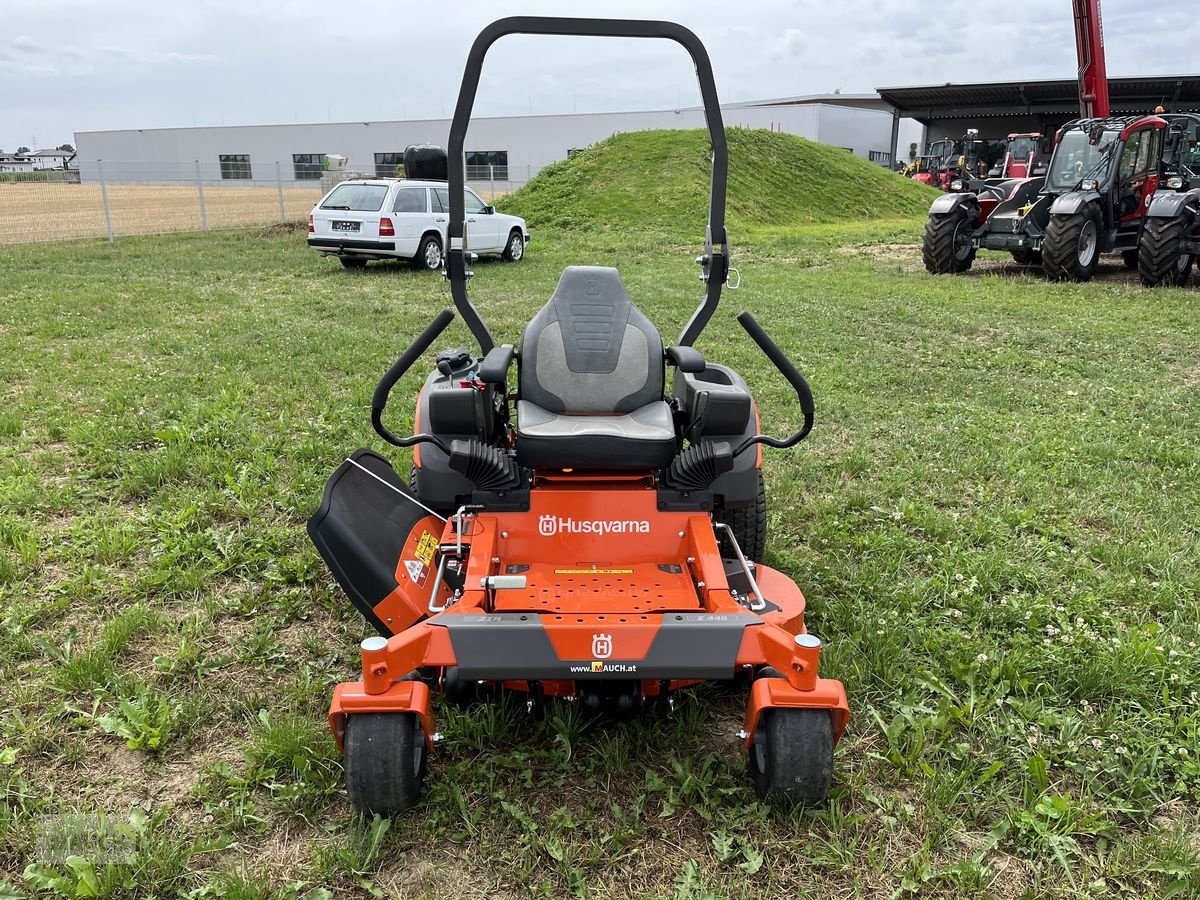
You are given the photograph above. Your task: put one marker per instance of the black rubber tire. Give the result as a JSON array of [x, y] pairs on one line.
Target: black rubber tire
[[514, 250], [791, 756], [1023, 256], [943, 248], [353, 262], [385, 762], [749, 525], [1130, 258], [1061, 249], [1161, 260], [458, 691], [420, 261]]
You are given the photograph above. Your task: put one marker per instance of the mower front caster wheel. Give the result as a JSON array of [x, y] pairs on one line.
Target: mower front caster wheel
[[791, 756], [385, 762]]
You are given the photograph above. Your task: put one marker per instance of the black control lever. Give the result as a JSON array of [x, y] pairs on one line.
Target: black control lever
[[396, 372], [794, 378]]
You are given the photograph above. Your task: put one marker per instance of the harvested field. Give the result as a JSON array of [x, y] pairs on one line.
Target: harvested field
[[50, 212]]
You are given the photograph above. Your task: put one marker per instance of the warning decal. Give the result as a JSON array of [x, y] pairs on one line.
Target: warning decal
[[417, 571], [593, 571], [425, 548]]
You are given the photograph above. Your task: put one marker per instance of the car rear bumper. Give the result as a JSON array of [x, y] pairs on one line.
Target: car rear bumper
[[338, 245]]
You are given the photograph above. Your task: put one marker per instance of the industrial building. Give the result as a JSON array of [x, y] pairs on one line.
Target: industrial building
[[1013, 107], [507, 149]]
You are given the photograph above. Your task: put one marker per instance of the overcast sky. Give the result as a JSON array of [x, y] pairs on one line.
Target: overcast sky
[[83, 65]]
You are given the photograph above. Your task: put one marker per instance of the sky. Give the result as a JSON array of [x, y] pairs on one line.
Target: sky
[[84, 65]]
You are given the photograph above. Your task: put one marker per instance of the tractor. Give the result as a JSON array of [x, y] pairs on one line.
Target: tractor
[[1171, 237], [1092, 200], [1022, 155]]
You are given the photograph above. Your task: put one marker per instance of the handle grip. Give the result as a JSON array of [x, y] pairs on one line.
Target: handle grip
[[789, 371], [785, 366], [399, 367]]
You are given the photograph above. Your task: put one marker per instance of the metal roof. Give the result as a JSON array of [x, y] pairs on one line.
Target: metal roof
[[1178, 93]]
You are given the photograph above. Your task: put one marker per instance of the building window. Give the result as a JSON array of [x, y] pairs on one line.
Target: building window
[[484, 164], [235, 165], [389, 165], [308, 166], [883, 157]]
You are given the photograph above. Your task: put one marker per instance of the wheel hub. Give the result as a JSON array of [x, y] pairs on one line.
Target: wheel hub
[[1087, 243]]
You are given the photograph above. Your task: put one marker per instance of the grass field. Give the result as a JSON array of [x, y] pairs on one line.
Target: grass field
[[995, 521], [48, 212]]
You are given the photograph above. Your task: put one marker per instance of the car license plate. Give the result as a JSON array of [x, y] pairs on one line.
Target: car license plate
[[344, 226]]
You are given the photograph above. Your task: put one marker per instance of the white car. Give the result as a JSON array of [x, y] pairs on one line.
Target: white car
[[388, 218]]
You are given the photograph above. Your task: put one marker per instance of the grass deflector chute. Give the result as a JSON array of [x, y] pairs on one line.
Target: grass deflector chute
[[570, 529]]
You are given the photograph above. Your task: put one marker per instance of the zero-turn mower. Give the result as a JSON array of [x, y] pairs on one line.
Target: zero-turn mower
[[574, 530]]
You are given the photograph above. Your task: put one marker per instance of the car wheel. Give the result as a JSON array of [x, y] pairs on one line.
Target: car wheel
[[429, 254], [353, 262], [515, 248]]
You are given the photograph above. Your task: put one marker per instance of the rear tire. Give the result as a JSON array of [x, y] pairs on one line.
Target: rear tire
[[385, 762], [514, 250], [947, 246], [1162, 261], [1071, 248], [1023, 256], [429, 254], [1130, 258], [791, 756], [749, 525], [353, 262]]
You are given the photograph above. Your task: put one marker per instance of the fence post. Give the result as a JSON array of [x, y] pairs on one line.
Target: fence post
[[104, 199], [492, 180], [200, 191], [279, 184]]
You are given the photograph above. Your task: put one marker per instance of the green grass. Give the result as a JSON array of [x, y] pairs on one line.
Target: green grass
[[658, 181], [995, 522]]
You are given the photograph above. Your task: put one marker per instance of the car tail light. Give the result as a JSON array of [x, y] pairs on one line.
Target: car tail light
[[385, 228], [311, 228]]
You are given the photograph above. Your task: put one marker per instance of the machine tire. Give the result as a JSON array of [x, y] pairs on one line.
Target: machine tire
[[514, 250], [791, 756], [458, 691], [385, 762], [1161, 260], [749, 525], [424, 255], [1023, 256], [1130, 258], [943, 248], [353, 262], [1065, 250]]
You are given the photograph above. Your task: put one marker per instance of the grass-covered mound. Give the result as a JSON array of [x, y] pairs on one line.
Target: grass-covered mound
[[659, 180]]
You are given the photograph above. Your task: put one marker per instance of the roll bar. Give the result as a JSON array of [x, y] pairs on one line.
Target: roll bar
[[715, 260]]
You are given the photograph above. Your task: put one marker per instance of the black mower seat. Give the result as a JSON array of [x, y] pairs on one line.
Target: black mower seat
[[590, 382]]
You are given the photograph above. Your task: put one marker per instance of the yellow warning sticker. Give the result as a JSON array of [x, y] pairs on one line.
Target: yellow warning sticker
[[425, 548], [593, 571]]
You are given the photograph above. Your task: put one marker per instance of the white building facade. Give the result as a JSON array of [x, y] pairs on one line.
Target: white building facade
[[507, 149]]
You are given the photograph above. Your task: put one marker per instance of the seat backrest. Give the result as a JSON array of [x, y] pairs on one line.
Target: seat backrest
[[589, 350]]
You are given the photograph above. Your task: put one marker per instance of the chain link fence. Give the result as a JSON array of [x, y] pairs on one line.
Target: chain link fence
[[110, 199]]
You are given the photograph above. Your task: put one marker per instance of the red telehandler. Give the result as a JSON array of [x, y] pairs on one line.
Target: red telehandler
[[1113, 185]]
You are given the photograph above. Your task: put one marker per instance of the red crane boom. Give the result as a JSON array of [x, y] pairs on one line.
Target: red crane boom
[[1089, 48]]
